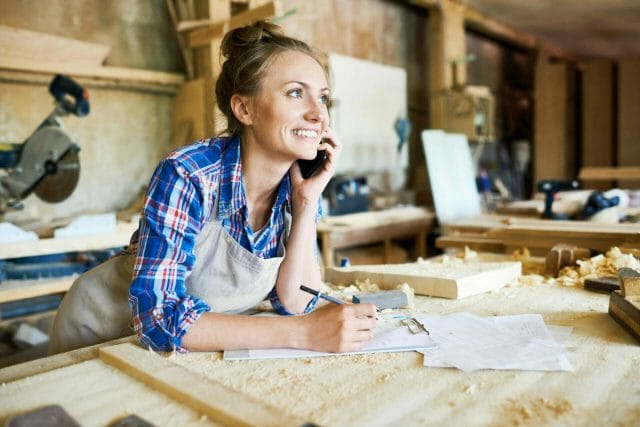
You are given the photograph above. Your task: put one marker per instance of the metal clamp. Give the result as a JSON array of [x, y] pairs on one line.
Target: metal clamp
[[414, 325]]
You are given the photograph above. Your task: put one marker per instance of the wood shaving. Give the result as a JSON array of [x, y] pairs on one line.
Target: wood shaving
[[597, 266]]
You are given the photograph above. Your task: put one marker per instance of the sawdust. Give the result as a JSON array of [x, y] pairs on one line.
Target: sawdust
[[346, 292], [602, 265], [536, 411]]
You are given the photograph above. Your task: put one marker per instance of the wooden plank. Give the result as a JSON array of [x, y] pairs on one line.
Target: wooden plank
[[598, 145], [609, 173], [36, 46], [446, 280], [475, 242], [81, 70], [447, 42], [69, 244], [14, 290], [189, 106], [628, 114], [187, 54], [216, 29], [220, 403], [551, 115]]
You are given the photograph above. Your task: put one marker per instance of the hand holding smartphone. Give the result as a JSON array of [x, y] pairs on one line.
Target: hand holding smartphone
[[310, 167]]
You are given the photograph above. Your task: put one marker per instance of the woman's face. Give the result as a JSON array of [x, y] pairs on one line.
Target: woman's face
[[289, 115]]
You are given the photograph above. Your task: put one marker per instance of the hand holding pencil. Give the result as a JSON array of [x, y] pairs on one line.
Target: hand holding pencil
[[339, 327]]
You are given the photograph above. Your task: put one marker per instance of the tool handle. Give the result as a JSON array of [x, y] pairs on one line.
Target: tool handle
[[63, 87]]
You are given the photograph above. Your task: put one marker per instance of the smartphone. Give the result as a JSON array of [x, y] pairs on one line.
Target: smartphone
[[309, 167]]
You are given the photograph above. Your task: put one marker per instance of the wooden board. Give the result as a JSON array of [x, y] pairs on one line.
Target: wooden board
[[99, 72], [626, 311], [221, 404], [14, 290], [70, 244], [447, 280], [32, 45], [628, 113]]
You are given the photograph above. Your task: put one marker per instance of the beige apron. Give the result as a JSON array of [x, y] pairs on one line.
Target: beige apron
[[226, 276]]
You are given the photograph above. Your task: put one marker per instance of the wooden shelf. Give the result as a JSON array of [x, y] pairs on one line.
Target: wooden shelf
[[69, 244], [15, 290], [98, 72]]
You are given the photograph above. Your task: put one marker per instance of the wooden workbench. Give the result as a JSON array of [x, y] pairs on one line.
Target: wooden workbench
[[500, 233], [364, 390], [347, 231]]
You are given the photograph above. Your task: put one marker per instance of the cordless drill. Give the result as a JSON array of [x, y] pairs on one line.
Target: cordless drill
[[550, 187]]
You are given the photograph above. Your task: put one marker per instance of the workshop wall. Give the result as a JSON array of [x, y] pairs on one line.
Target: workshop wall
[[128, 129]]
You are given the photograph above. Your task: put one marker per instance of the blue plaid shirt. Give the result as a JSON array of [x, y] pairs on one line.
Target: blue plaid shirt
[[180, 201]]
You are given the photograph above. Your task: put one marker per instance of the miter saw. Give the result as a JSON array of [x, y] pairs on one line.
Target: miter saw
[[47, 162]]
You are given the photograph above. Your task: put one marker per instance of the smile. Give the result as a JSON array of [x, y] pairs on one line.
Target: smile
[[306, 133]]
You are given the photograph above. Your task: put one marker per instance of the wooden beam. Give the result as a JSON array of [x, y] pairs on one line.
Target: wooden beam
[[598, 145], [187, 54], [218, 402], [609, 173], [447, 43], [36, 46], [98, 72], [629, 116], [120, 237], [482, 23], [15, 290], [550, 125], [217, 29]]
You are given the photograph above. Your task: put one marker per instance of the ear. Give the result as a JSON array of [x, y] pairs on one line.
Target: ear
[[241, 109]]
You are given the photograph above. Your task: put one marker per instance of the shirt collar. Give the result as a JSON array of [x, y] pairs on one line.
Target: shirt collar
[[232, 192]]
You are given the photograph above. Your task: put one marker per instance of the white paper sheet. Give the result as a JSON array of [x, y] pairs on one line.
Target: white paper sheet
[[470, 343], [390, 335]]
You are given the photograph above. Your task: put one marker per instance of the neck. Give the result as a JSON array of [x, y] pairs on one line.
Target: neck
[[261, 176]]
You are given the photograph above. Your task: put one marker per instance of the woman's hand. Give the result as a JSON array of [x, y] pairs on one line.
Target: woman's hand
[[340, 328], [308, 190]]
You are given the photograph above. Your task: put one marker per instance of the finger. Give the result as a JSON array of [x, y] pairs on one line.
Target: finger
[[366, 309], [365, 323], [362, 336]]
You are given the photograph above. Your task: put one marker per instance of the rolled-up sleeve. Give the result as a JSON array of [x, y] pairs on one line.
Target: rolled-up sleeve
[[172, 217]]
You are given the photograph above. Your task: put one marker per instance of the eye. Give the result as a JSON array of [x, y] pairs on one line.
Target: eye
[[295, 93], [326, 100]]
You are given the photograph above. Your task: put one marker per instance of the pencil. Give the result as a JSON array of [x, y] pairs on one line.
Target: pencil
[[321, 295]]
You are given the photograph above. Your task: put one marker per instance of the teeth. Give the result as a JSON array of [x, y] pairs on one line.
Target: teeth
[[306, 133]]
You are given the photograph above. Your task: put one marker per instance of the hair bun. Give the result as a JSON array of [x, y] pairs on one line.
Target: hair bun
[[241, 38]]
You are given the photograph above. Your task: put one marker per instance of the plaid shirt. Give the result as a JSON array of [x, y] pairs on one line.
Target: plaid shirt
[[180, 201]]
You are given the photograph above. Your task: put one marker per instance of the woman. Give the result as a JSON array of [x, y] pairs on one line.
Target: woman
[[229, 221]]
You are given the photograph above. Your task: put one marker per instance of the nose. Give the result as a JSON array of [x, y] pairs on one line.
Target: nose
[[317, 112]]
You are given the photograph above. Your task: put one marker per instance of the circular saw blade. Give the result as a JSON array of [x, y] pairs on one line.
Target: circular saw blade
[[57, 186]]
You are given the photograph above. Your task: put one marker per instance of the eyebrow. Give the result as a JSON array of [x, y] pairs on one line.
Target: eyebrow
[[306, 85]]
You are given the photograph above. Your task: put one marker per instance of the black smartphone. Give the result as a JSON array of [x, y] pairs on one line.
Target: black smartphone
[[309, 167]]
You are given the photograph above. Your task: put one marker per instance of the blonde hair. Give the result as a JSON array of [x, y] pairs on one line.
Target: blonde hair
[[248, 51]]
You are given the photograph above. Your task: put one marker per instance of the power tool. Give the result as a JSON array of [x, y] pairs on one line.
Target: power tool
[[550, 187], [47, 163]]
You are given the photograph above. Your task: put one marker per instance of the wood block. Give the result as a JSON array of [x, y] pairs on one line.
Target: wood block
[[562, 255], [626, 311], [446, 280], [629, 282]]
